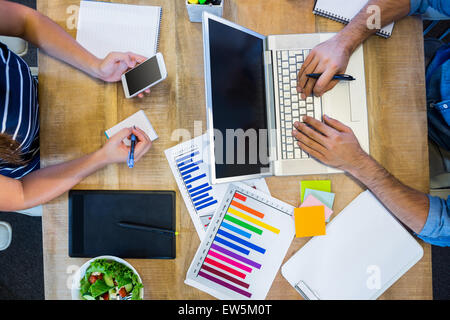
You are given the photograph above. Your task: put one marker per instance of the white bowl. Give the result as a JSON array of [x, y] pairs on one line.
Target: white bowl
[[82, 271], [5, 235]]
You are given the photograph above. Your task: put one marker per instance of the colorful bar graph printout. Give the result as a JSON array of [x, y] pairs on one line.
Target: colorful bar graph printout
[[234, 260]]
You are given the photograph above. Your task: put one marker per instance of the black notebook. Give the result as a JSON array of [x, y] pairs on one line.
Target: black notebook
[[94, 217]]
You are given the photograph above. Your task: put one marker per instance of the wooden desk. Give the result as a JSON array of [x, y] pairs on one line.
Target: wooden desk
[[76, 109]]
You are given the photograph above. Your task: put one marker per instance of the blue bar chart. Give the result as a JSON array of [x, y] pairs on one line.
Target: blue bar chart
[[187, 161], [190, 167]]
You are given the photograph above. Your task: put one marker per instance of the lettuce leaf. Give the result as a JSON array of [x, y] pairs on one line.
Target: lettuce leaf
[[98, 288], [84, 285], [136, 292]]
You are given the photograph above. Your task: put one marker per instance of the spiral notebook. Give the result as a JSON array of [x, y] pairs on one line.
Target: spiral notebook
[[106, 27], [344, 10]]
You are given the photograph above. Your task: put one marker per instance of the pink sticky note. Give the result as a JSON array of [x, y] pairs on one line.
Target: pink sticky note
[[311, 201]]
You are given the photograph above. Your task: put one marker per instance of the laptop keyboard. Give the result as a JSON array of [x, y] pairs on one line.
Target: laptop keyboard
[[292, 106]]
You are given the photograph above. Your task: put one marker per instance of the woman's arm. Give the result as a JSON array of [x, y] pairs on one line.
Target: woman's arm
[[23, 22], [46, 184]]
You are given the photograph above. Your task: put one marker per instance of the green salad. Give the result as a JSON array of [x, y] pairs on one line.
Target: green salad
[[110, 280]]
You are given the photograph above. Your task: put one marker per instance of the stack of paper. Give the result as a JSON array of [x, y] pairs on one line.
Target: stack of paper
[[316, 208]]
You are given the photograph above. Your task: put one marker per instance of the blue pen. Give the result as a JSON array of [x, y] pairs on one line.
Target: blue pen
[[130, 161]]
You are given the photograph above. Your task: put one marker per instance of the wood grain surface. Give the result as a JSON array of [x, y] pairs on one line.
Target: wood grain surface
[[76, 109]]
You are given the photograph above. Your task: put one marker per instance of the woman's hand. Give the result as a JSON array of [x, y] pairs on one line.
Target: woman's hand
[[111, 68], [115, 150]]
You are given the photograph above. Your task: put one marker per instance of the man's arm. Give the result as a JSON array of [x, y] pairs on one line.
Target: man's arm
[[331, 57], [335, 145], [20, 21], [409, 205]]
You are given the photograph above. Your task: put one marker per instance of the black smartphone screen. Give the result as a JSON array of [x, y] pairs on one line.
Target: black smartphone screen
[[143, 75]]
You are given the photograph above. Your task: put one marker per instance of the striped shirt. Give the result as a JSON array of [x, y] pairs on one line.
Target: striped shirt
[[19, 111]]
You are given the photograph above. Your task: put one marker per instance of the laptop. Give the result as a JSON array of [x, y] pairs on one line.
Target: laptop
[[252, 101]]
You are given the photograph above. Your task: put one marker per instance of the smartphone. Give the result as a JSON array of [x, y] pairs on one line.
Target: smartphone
[[143, 76]]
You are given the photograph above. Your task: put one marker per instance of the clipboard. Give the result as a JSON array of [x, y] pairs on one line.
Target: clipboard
[[363, 253]]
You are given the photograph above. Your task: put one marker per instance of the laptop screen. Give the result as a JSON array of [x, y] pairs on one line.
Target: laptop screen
[[238, 101]]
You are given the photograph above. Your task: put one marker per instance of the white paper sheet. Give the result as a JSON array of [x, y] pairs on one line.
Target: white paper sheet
[[140, 120]]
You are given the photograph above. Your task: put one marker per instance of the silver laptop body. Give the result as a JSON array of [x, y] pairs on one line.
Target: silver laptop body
[[283, 57]]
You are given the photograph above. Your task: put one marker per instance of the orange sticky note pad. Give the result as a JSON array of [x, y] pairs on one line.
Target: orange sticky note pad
[[309, 221]]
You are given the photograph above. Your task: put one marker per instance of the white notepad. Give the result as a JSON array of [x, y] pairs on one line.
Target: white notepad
[[140, 120], [345, 10], [365, 250], [106, 27]]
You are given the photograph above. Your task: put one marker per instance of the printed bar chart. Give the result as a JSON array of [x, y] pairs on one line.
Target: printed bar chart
[[197, 183], [241, 251]]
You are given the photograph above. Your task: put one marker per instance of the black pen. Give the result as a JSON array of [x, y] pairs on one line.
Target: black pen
[[344, 77], [144, 227]]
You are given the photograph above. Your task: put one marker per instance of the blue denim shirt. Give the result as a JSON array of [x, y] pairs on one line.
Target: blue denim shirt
[[432, 8], [437, 227]]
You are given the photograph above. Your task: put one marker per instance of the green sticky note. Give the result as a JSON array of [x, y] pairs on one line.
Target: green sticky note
[[320, 185]]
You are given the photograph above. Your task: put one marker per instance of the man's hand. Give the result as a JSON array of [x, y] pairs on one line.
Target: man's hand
[[331, 142], [329, 58], [115, 150]]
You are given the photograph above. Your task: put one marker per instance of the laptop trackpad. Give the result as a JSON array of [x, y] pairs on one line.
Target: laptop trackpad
[[337, 102]]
